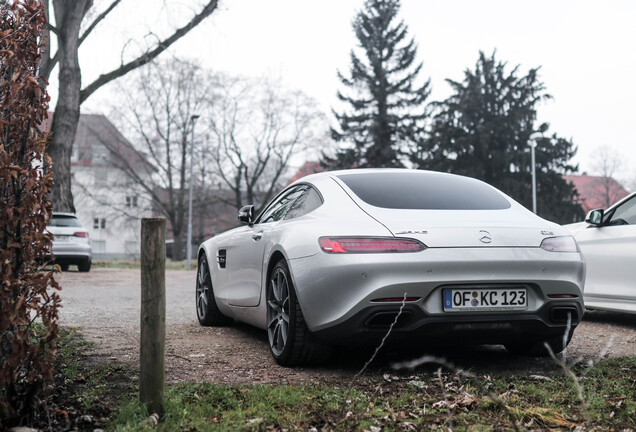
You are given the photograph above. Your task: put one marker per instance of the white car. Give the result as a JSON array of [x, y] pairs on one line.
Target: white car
[[71, 244], [337, 257], [607, 239]]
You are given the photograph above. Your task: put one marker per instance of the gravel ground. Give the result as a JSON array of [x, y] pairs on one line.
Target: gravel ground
[[105, 304]]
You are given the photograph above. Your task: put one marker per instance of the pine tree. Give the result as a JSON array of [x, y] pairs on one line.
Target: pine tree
[[385, 109], [484, 130]]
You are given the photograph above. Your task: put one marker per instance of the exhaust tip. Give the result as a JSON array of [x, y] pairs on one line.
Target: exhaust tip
[[383, 320], [560, 314]]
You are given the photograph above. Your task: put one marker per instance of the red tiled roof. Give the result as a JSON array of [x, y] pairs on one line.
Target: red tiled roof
[[307, 169], [95, 129], [596, 192]]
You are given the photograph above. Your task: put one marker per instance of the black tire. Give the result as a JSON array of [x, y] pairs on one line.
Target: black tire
[[538, 348], [290, 341], [207, 311], [84, 266], [64, 267]]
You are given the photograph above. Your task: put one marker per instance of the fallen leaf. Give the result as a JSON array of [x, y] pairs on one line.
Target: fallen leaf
[[467, 400], [417, 384], [540, 378]]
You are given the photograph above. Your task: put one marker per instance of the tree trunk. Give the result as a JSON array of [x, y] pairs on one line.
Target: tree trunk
[[177, 246], [68, 16]]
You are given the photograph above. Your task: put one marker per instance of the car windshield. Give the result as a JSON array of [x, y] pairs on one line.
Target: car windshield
[[65, 221], [420, 190]]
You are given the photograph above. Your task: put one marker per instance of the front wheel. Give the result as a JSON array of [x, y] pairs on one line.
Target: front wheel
[[208, 312], [290, 341]]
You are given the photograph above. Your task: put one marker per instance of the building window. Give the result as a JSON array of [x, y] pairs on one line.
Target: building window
[[100, 153], [99, 223], [131, 201], [75, 154]]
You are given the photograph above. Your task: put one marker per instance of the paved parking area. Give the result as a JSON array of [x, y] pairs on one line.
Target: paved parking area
[[105, 303]]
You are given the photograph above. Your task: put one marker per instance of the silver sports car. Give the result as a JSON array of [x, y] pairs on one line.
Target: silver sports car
[[339, 257]]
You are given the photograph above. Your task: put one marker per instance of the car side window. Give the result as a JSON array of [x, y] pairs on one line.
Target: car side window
[[279, 208], [310, 200], [625, 214]]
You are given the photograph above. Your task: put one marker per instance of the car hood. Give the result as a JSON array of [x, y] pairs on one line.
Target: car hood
[[468, 228]]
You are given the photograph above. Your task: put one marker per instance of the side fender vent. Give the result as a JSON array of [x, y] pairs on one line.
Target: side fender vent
[[221, 257]]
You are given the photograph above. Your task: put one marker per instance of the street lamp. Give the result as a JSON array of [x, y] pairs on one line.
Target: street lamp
[[189, 242], [533, 144]]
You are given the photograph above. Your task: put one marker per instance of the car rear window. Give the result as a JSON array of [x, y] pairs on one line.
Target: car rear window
[[65, 221], [420, 190]]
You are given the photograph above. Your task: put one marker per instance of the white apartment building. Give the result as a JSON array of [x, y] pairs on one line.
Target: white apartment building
[[108, 201]]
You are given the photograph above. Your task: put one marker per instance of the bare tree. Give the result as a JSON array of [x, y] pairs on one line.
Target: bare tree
[[160, 108], [245, 139], [70, 30], [257, 128], [607, 165]]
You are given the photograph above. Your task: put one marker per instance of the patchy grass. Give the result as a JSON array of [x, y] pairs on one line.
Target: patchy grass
[[92, 393], [404, 402], [135, 264], [86, 388]]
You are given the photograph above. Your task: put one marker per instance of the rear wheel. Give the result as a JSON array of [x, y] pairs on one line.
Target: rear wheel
[[207, 311], [83, 266], [538, 348], [290, 341]]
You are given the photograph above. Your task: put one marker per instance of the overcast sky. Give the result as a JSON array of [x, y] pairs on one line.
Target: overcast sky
[[586, 50]]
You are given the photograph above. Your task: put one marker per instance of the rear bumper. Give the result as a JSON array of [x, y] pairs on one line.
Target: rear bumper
[[71, 252], [71, 259], [414, 326], [337, 291]]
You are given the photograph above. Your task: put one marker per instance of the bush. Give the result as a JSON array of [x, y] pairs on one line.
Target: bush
[[25, 360]]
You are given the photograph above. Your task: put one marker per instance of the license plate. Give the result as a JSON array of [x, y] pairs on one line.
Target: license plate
[[484, 299], [62, 238]]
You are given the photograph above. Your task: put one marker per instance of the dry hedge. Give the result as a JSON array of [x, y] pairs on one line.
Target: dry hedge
[[27, 291]]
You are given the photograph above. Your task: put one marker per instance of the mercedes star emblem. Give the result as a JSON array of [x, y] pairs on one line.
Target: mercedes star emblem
[[484, 236]]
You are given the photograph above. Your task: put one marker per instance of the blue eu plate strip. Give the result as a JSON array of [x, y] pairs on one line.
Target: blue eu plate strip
[[448, 299]]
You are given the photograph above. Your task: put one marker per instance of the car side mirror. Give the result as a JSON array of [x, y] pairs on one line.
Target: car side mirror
[[595, 217], [246, 214]]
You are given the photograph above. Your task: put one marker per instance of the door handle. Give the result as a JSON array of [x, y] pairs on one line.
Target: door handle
[[257, 236]]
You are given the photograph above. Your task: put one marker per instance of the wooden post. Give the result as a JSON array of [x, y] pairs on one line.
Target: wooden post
[[153, 314]]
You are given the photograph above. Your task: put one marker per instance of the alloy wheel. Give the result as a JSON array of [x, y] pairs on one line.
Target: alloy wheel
[[203, 286], [278, 311]]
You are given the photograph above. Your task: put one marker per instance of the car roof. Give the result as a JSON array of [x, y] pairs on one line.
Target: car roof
[[331, 174]]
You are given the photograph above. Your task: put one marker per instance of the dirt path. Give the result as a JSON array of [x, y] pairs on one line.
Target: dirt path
[[105, 304]]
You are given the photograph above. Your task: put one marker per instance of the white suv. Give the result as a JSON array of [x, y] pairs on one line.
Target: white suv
[[71, 244]]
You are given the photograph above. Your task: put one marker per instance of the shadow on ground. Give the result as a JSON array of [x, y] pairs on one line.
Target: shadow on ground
[[614, 318], [345, 362]]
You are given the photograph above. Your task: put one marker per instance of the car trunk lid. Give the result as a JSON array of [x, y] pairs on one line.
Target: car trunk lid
[[464, 228]]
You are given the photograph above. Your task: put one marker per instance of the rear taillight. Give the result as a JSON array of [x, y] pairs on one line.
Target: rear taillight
[[369, 245], [81, 234], [560, 244]]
